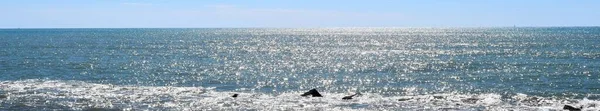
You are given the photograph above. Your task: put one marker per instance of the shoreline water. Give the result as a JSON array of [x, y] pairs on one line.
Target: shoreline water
[[77, 95], [479, 68]]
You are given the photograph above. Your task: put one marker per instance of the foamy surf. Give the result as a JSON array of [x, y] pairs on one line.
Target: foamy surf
[[78, 95]]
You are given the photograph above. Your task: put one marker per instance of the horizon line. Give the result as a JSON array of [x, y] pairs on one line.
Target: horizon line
[[285, 27]]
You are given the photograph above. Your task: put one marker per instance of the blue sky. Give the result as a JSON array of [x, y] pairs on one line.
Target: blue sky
[[296, 13]]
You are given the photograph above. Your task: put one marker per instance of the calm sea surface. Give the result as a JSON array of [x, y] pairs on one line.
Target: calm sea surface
[[199, 69]]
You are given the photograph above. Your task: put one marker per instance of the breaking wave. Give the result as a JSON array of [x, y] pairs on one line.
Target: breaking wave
[[35, 94]]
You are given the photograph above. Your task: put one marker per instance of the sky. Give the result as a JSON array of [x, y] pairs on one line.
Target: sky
[[296, 13]]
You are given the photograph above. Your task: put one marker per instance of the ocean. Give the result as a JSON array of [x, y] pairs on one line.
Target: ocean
[[504, 68]]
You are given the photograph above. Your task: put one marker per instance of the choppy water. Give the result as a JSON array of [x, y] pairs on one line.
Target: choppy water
[[199, 69]]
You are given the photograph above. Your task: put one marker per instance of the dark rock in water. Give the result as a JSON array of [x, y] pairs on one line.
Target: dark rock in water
[[350, 97], [571, 108], [347, 97], [3, 96], [312, 92], [404, 99], [235, 95], [438, 97]]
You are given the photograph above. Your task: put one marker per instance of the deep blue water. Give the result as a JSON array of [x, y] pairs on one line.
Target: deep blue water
[[555, 63]]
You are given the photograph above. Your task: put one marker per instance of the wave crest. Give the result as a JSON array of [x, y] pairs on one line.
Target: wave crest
[[77, 95]]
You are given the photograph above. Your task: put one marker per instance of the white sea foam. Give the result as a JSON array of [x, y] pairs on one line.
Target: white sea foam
[[77, 95]]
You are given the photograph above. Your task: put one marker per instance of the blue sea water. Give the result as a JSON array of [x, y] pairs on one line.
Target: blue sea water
[[522, 68]]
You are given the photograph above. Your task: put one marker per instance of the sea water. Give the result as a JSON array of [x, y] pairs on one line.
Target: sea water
[[522, 68]]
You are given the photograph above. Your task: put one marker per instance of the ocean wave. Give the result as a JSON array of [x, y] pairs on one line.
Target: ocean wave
[[37, 94]]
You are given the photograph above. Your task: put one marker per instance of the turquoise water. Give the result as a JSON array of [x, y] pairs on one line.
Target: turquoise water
[[195, 69]]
